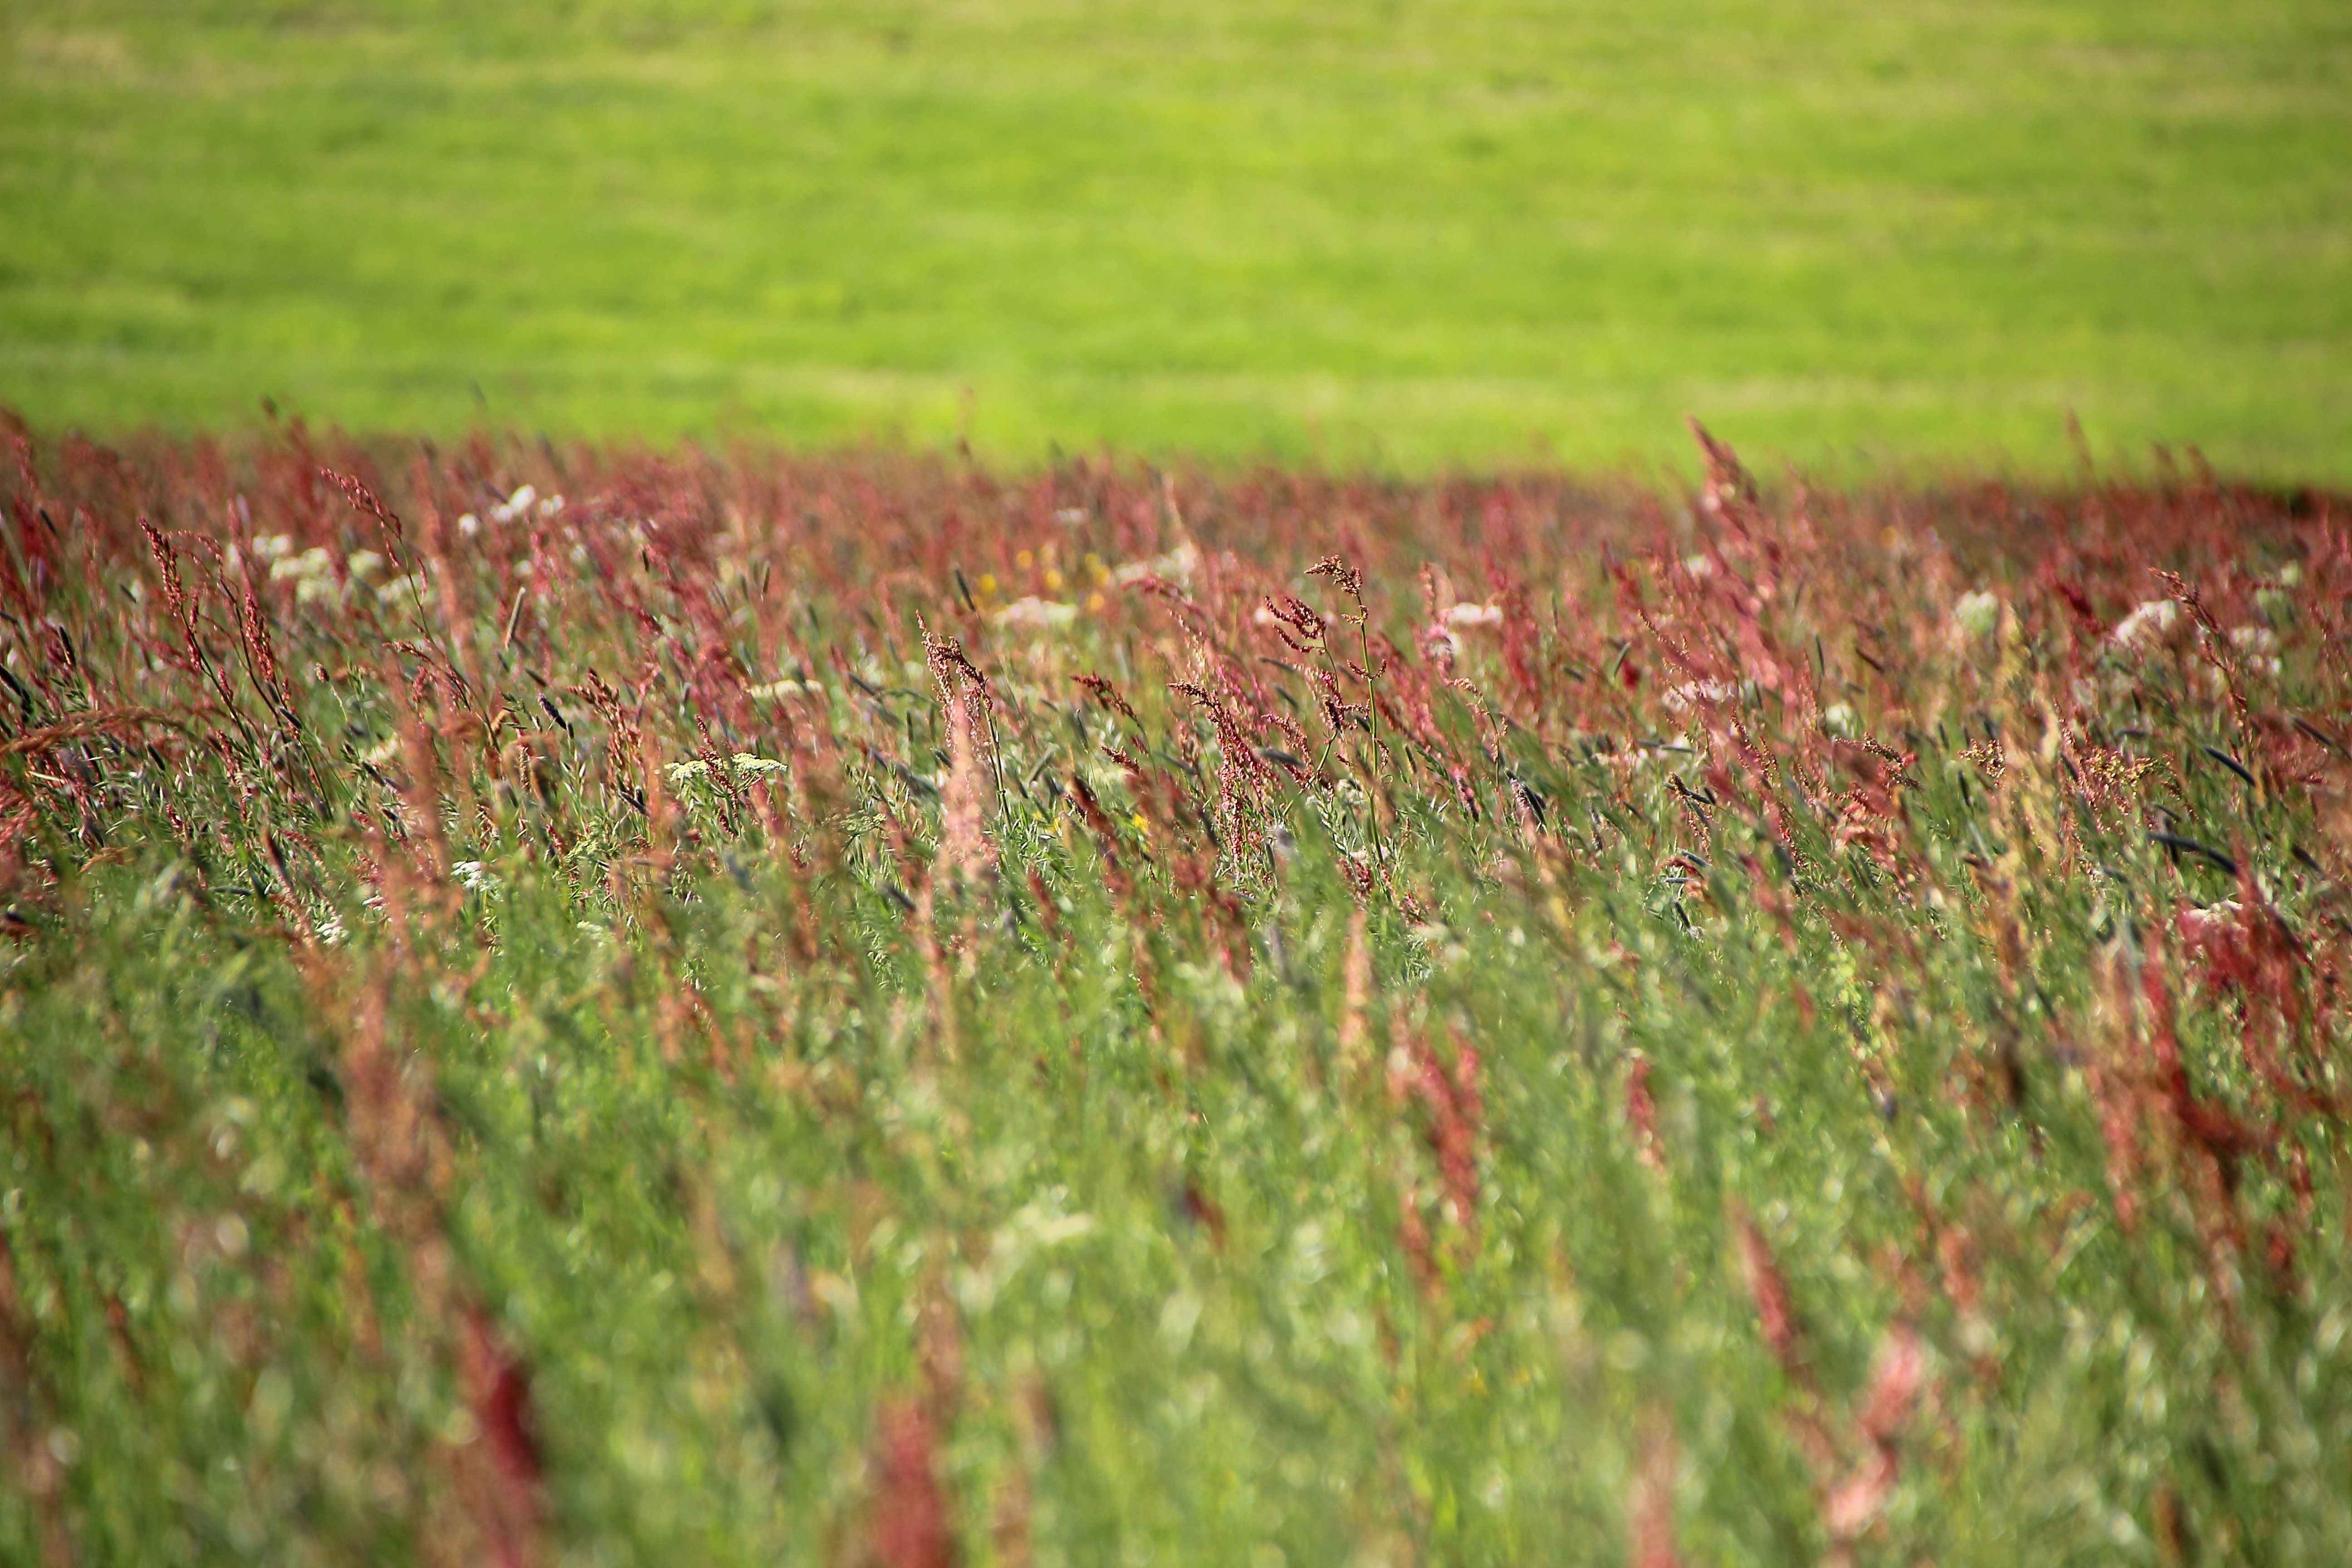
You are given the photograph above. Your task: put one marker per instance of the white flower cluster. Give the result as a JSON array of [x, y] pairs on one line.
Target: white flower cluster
[[2148, 623], [741, 763], [1976, 613], [525, 502], [1037, 613], [1177, 566], [1460, 615], [312, 572]]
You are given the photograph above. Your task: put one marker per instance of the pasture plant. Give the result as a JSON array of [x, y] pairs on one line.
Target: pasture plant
[[606, 1006]]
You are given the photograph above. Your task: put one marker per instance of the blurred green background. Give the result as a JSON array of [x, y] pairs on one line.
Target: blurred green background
[[1856, 235]]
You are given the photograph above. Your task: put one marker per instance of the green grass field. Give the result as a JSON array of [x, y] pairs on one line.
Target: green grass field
[[1861, 235]]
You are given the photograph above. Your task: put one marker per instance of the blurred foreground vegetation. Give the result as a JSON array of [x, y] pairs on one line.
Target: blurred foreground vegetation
[[600, 1007]]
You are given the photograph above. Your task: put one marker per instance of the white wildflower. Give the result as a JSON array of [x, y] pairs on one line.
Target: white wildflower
[[741, 763], [2210, 921], [1475, 615], [309, 564], [478, 877], [469, 525], [1976, 613], [1041, 613], [273, 546], [1692, 693], [364, 564], [2253, 639], [515, 505], [409, 590], [1034, 1229], [2151, 620], [2259, 645], [1177, 566]]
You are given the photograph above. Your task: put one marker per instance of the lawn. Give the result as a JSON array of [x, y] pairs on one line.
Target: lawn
[[567, 1005], [1861, 236]]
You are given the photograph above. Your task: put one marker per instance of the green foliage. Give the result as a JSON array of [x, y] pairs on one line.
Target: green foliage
[[629, 1049]]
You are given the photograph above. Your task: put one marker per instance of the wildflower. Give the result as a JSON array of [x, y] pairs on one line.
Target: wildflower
[[311, 565], [411, 589], [1976, 613], [2149, 621], [363, 564], [1775, 1317], [913, 1524], [1641, 1113], [1692, 694], [497, 1386], [2210, 925], [1039, 614], [1899, 1371], [2261, 643], [1462, 615], [1344, 576], [1177, 566], [515, 505], [1650, 1504], [965, 698]]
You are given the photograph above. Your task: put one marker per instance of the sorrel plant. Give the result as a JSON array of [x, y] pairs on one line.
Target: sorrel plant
[[599, 1005]]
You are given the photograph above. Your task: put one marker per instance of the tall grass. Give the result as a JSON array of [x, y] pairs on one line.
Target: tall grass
[[610, 1005]]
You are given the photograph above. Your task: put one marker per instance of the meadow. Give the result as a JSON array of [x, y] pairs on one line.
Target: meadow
[[584, 1004], [1867, 237]]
